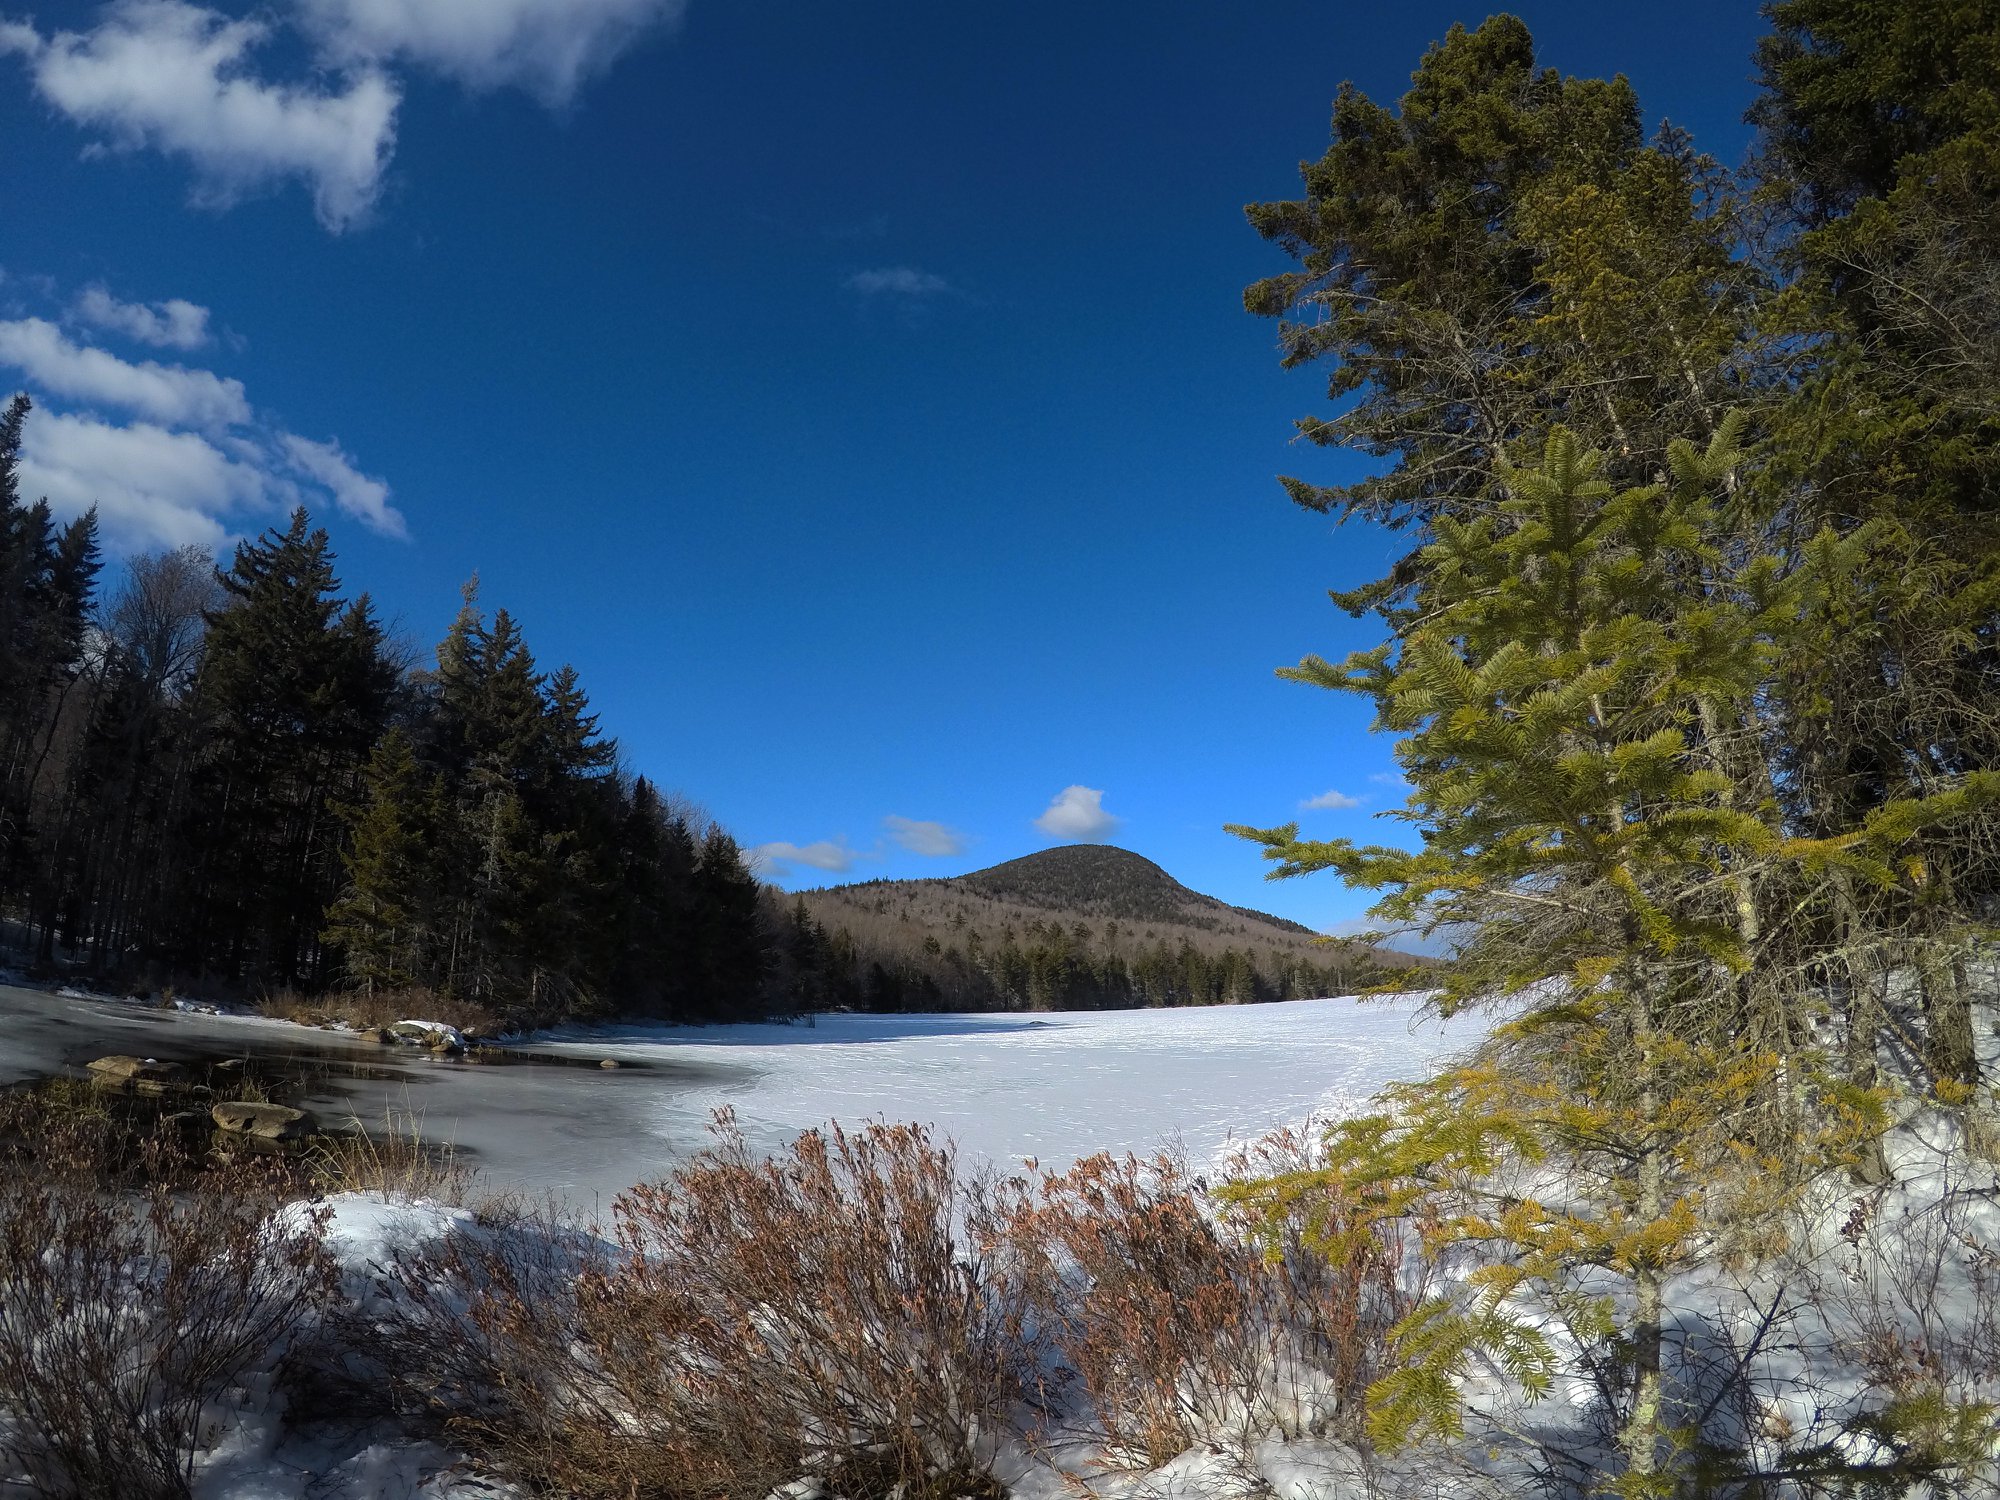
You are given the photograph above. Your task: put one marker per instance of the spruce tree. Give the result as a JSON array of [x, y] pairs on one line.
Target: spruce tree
[[1501, 251], [293, 693], [1571, 680], [730, 958], [384, 923]]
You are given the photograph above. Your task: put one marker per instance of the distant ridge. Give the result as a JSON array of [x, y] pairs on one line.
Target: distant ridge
[[1075, 927]]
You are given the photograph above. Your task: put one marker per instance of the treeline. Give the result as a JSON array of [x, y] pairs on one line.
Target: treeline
[[863, 963], [233, 778]]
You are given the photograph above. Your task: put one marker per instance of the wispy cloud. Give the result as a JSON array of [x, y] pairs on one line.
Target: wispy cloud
[[170, 394], [548, 47], [898, 281], [177, 78], [1077, 813], [1388, 778], [933, 840], [167, 453], [778, 857], [358, 495], [172, 324], [1332, 801]]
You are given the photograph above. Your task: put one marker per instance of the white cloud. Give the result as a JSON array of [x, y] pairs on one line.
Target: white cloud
[[152, 488], [170, 394], [1077, 813], [936, 840], [1326, 800], [357, 495], [823, 855], [172, 324], [898, 281], [167, 454], [1388, 778], [548, 47], [175, 77]]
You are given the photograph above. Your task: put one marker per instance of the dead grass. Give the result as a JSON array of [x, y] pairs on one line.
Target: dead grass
[[390, 1157], [380, 1008]]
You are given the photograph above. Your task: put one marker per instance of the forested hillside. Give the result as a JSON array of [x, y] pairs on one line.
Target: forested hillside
[[1075, 928], [233, 779]]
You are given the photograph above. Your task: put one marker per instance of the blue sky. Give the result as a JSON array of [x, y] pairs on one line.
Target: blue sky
[[858, 396]]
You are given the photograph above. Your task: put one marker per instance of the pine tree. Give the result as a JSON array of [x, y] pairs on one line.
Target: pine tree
[[1571, 679], [384, 922], [1500, 252], [294, 691]]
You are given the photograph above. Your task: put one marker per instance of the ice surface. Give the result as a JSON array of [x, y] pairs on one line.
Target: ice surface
[[1052, 1087]]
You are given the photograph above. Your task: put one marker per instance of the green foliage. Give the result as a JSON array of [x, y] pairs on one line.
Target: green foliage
[[1578, 680], [1502, 252]]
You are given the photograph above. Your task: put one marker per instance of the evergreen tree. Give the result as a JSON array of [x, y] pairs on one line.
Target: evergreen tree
[[1502, 251], [294, 690], [731, 957], [385, 923], [1571, 679], [653, 862]]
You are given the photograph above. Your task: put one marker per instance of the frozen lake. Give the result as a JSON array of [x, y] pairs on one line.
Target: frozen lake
[[1053, 1086]]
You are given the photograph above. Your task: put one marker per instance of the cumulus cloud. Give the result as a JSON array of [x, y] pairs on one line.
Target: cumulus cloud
[[172, 324], [151, 487], [364, 498], [169, 394], [176, 77], [1333, 800], [897, 281], [548, 47], [779, 856], [1077, 813], [935, 840]]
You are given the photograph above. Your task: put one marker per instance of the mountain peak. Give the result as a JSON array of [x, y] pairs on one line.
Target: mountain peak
[[1094, 879]]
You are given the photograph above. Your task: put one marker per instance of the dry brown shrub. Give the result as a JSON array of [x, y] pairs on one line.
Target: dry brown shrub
[[1185, 1323], [825, 1300], [483, 1335], [757, 1320], [123, 1313], [1343, 1281], [1164, 1317]]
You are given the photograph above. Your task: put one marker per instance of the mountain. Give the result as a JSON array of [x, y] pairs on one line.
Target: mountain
[[1102, 881], [1085, 926]]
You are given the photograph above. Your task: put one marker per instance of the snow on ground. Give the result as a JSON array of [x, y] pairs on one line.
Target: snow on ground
[[1053, 1087]]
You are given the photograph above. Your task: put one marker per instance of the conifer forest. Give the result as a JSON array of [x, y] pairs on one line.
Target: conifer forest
[[228, 776]]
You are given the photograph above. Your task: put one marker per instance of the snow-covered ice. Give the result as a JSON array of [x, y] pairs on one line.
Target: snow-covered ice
[[1051, 1087]]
